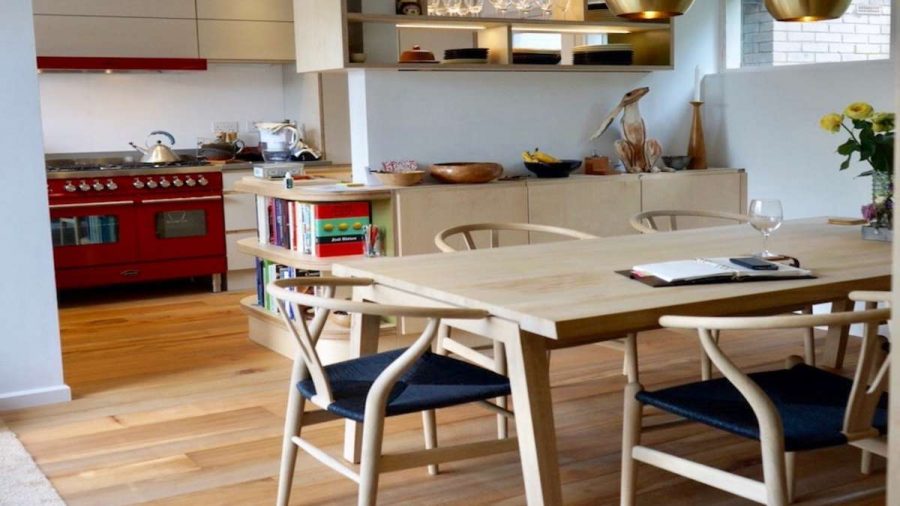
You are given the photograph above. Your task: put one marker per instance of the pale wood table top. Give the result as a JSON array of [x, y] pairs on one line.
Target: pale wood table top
[[570, 290]]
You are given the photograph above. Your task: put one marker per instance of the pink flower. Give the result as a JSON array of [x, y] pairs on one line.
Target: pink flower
[[870, 212]]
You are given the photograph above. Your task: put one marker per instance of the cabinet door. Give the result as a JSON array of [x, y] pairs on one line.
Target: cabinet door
[[599, 205], [115, 37], [246, 40], [713, 190], [423, 212], [238, 261], [257, 10], [169, 9]]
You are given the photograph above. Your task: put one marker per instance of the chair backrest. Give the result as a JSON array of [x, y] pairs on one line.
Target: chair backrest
[[865, 395], [494, 229], [291, 297], [647, 222]]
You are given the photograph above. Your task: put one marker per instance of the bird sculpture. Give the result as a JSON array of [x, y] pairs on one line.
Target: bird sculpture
[[638, 153]]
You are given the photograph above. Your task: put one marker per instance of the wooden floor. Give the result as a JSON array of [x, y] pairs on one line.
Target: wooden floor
[[173, 405]]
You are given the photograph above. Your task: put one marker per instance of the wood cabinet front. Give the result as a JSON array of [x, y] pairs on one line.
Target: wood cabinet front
[[718, 190], [167, 9], [257, 10], [115, 37], [598, 205], [246, 40]]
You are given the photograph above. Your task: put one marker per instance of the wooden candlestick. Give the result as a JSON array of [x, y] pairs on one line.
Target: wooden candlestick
[[697, 146]]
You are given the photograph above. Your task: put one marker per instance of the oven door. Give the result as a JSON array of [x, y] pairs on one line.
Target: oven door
[[181, 227], [93, 233]]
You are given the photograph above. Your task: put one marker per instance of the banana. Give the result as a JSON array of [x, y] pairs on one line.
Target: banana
[[528, 157], [544, 157]]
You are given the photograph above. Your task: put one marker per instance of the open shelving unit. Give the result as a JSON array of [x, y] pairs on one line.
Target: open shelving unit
[[330, 31], [267, 328]]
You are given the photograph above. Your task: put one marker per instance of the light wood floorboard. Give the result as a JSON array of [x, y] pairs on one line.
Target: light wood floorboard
[[175, 406]]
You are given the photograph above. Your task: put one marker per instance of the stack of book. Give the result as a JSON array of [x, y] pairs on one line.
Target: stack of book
[[327, 229], [267, 271]]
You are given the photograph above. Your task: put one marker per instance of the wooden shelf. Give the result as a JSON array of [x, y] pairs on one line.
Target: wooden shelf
[[284, 256], [419, 67], [523, 23], [302, 192]]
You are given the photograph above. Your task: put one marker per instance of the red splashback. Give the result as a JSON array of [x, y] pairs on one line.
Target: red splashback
[[101, 64]]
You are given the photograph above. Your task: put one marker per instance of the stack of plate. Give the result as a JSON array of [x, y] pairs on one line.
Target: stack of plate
[[537, 56], [604, 54], [466, 55]]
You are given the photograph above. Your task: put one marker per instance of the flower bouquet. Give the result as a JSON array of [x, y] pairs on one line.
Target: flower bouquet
[[872, 137]]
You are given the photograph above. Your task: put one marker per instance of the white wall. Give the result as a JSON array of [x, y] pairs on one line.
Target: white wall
[[767, 121], [99, 112], [449, 116], [30, 357]]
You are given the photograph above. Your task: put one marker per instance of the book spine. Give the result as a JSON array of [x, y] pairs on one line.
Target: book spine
[[262, 219]]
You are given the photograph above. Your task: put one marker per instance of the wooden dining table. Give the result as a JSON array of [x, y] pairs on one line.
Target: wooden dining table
[[558, 295]]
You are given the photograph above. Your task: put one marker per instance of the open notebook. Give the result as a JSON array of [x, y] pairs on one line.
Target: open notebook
[[713, 269]]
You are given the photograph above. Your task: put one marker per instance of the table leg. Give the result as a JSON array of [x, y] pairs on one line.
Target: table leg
[[529, 375], [836, 339], [364, 334]]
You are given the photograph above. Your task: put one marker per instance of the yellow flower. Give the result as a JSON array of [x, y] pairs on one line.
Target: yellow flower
[[831, 122], [859, 110], [883, 122]]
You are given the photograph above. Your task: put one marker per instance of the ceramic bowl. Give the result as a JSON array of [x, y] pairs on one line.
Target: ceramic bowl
[[677, 162], [553, 170], [400, 178], [466, 172]]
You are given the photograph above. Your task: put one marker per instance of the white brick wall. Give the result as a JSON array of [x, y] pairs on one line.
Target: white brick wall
[[862, 34]]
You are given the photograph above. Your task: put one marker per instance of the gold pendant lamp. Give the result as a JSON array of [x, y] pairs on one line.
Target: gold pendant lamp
[[807, 10], [648, 9]]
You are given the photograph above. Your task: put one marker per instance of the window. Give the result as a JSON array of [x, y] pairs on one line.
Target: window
[[864, 33]]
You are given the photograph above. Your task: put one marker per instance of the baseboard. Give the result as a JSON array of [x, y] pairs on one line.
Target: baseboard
[[35, 397]]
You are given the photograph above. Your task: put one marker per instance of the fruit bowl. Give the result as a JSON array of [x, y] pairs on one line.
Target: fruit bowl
[[466, 172], [411, 178], [553, 170]]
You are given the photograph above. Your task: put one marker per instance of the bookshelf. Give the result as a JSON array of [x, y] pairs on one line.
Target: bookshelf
[[266, 327]]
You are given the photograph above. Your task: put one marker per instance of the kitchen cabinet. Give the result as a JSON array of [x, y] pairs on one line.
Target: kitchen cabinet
[[246, 40], [115, 37], [240, 223], [169, 9], [257, 10], [423, 212], [706, 190], [597, 205]]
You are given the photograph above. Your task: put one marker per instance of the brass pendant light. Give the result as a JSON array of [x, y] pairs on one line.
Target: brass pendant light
[[648, 9], [807, 10]]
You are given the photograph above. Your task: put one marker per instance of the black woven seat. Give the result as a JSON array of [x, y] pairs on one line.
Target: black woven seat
[[811, 403], [433, 382]]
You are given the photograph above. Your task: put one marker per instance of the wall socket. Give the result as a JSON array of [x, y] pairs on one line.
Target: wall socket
[[225, 126]]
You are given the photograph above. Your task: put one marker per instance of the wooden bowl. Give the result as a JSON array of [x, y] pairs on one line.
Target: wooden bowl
[[400, 178], [466, 172]]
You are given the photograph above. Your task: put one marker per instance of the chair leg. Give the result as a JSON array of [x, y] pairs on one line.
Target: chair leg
[[503, 402], [705, 362], [292, 424], [865, 466], [373, 435], [809, 341], [790, 467], [429, 427], [631, 437]]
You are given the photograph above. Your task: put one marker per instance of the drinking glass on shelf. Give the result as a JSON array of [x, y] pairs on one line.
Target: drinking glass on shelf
[[546, 6], [563, 6], [475, 7], [524, 6], [766, 216], [435, 7], [453, 7], [501, 6]]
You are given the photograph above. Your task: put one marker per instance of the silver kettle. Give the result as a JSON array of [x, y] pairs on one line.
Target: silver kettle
[[158, 153]]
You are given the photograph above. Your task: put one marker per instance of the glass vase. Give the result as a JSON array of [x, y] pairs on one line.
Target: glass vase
[[881, 213]]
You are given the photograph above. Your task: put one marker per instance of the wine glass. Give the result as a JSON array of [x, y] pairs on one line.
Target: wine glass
[[766, 216], [475, 7], [501, 6], [546, 6], [435, 7], [454, 7], [524, 6], [563, 6]]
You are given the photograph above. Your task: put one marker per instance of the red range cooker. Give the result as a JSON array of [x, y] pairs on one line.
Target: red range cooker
[[124, 223]]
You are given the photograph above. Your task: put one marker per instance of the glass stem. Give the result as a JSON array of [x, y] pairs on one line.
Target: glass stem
[[765, 244]]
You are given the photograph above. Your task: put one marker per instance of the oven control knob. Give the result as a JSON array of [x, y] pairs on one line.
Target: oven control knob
[[138, 184], [152, 184], [164, 183], [190, 182], [203, 181], [84, 186], [177, 182], [69, 187], [111, 185], [98, 186]]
